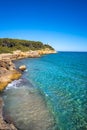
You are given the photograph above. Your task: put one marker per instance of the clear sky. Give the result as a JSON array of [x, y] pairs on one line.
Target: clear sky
[[60, 23]]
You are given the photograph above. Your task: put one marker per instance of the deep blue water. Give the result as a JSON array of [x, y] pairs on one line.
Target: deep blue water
[[62, 80]]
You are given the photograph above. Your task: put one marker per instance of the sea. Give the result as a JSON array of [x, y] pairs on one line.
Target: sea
[[51, 94]]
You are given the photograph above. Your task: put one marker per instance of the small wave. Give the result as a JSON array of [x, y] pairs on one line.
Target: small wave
[[13, 84], [26, 70], [19, 83]]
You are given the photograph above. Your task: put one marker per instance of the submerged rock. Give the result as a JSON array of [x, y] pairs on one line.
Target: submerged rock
[[28, 109]]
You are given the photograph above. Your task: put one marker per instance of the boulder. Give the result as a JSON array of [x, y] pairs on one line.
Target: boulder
[[22, 67]]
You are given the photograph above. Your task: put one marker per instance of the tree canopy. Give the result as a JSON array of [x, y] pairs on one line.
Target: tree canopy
[[8, 45]]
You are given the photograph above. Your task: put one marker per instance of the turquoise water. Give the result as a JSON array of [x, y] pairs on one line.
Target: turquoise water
[[62, 81]]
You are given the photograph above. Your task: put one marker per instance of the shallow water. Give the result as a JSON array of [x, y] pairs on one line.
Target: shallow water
[[26, 107], [60, 81]]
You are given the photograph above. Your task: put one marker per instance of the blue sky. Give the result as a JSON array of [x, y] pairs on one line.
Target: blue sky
[[60, 23]]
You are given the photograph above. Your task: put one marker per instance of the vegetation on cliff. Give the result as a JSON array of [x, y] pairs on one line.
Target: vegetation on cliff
[[9, 45]]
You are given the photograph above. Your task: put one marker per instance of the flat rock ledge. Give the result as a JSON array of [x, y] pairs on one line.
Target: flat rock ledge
[[3, 124]]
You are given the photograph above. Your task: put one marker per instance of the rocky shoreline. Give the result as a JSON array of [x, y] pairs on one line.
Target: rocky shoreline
[[9, 73]]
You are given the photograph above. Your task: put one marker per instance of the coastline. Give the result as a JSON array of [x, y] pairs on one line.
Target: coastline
[[8, 73]]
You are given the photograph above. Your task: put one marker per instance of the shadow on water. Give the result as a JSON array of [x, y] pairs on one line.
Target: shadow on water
[[26, 107]]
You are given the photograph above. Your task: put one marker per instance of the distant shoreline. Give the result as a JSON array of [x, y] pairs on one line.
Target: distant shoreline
[[74, 51]]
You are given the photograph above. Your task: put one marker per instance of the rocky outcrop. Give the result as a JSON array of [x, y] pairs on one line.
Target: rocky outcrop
[[46, 51], [20, 55], [6, 64], [28, 54], [7, 72], [3, 124]]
